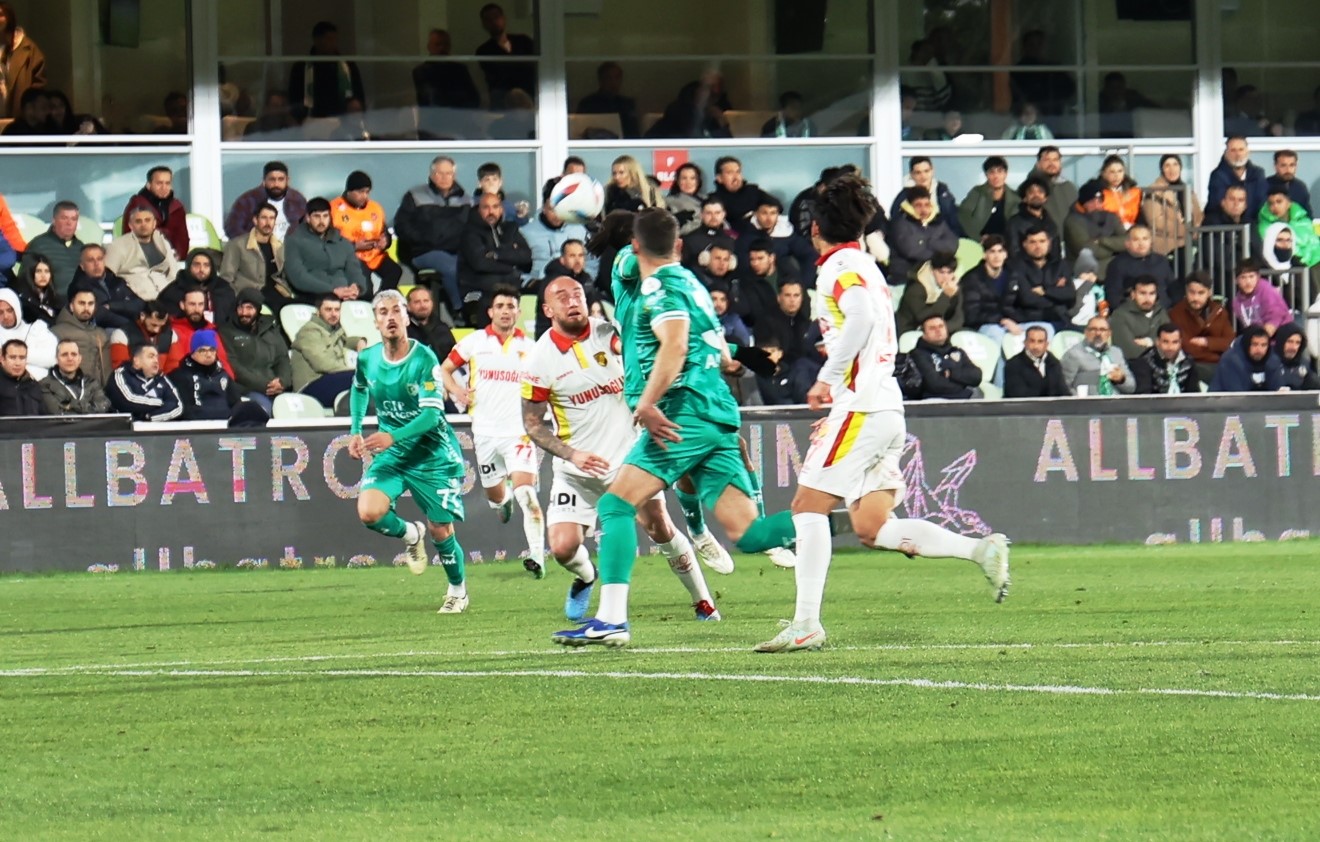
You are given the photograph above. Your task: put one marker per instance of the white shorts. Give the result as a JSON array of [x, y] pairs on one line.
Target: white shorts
[[497, 458], [856, 453], [573, 498]]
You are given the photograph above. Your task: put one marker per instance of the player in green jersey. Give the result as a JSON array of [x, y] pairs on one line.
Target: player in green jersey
[[414, 450], [691, 426]]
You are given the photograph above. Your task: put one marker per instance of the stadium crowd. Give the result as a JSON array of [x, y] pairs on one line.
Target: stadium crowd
[[1047, 289]]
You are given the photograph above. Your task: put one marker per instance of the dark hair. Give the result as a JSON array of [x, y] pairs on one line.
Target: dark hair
[[151, 173], [4, 349], [1145, 281], [89, 246], [1201, 277], [1237, 187], [769, 200], [1045, 150], [1034, 181], [725, 159], [989, 241], [64, 205], [574, 159], [616, 231], [701, 178], [265, 206], [30, 96], [791, 282], [1245, 266], [1284, 153], [915, 192], [549, 187], [1032, 230], [323, 27], [712, 199], [1117, 159], [918, 159], [994, 162], [274, 166], [844, 209], [11, 20], [157, 308], [490, 7], [489, 168], [136, 349], [1251, 332], [1034, 328], [944, 260], [1167, 328], [655, 231], [568, 243], [606, 66], [421, 288], [328, 297], [1278, 187], [761, 244], [317, 205], [1169, 156], [503, 291]]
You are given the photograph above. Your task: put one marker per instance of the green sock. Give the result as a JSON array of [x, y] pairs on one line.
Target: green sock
[[691, 506], [618, 539], [391, 525], [766, 533], [451, 557], [755, 479]]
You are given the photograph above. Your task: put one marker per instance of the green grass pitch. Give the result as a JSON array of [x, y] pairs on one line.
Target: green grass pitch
[[1119, 693]]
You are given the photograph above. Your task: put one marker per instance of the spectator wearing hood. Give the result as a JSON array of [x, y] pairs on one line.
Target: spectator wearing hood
[[194, 318], [1249, 366], [935, 292], [1258, 303], [1280, 208], [1094, 367], [36, 291], [117, 305], [19, 393], [199, 273], [916, 234], [171, 217], [40, 342], [1277, 248], [1299, 372], [137, 388], [1166, 206], [76, 323], [1235, 168], [67, 390], [989, 205], [946, 370], [1137, 321], [1205, 325], [1164, 368], [1092, 235], [1138, 261], [257, 350], [921, 173], [206, 391], [142, 256]]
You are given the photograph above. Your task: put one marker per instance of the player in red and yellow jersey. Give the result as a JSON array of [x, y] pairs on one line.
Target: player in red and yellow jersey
[[854, 456]]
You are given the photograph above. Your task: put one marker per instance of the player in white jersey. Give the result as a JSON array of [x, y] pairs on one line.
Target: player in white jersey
[[576, 373], [494, 358], [854, 455]]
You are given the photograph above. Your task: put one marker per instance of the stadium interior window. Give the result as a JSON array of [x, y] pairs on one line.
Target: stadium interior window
[[1270, 69]]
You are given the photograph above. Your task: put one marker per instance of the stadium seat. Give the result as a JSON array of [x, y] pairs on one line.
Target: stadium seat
[[292, 405], [992, 392], [908, 341], [358, 320], [527, 304], [460, 332], [1013, 345], [983, 350], [970, 253], [293, 317], [202, 234], [747, 123], [1062, 341], [90, 231], [896, 292], [29, 226]]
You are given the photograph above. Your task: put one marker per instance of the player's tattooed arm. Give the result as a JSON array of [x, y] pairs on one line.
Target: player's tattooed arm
[[540, 434]]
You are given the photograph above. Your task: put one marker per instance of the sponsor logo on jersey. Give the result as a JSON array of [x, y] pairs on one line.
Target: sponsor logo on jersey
[[412, 389], [601, 359]]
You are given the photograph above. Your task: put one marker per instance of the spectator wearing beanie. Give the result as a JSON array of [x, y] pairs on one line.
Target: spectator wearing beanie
[[258, 352], [206, 391], [362, 222]]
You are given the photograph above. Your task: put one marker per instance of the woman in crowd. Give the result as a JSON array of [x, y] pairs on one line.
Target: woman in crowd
[[685, 197], [1166, 206], [22, 64], [1122, 195], [36, 292], [629, 188]]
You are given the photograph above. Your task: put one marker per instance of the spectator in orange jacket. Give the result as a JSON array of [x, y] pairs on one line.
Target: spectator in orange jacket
[[1122, 195], [9, 228], [362, 222]]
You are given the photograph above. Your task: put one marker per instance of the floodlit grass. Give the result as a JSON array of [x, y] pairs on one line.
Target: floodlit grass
[[335, 704]]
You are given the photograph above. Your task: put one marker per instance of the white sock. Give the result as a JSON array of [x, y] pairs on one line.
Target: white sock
[[923, 538], [613, 606], [533, 522], [457, 590], [684, 564], [495, 504], [410, 535], [814, 548], [580, 565]]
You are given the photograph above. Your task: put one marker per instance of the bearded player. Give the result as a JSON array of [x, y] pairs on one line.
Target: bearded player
[[854, 456], [576, 372], [505, 457], [414, 450]]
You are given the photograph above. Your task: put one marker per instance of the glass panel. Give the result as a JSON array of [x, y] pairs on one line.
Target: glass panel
[[120, 74], [1139, 103], [1271, 101], [595, 28], [665, 98], [99, 181], [784, 172], [1136, 32], [1267, 30], [951, 33]]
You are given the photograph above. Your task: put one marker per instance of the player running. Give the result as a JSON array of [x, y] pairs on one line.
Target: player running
[[691, 422], [415, 449], [494, 358], [854, 455], [576, 371]]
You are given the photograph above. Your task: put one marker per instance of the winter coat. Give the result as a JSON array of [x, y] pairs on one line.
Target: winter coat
[[77, 395], [982, 296], [428, 220], [1156, 376], [1223, 177], [243, 265], [1023, 380], [1164, 215], [220, 295], [1130, 323], [923, 298], [1124, 270], [181, 345], [491, 255], [206, 393], [26, 69], [975, 210], [1063, 195], [20, 396], [239, 219], [1125, 203], [257, 356], [1022, 222], [1237, 373], [320, 349], [64, 256], [123, 339], [144, 398], [686, 209], [545, 242], [124, 257], [1100, 231], [91, 341], [315, 264], [172, 221], [1297, 191], [116, 304], [39, 305], [1023, 304], [913, 242], [946, 371], [1299, 373], [941, 195], [1306, 243], [1082, 367], [739, 207], [1265, 306], [1214, 324], [40, 341]]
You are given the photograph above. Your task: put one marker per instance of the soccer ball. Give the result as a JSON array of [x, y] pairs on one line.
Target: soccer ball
[[577, 198]]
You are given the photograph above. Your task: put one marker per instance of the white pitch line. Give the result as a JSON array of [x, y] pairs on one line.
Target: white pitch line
[[17, 672], [856, 681]]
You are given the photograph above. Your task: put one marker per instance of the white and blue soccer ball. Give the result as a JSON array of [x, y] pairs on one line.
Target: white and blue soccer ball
[[577, 198]]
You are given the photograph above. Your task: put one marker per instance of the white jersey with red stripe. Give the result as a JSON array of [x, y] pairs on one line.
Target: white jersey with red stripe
[[581, 378], [495, 369], [855, 309]]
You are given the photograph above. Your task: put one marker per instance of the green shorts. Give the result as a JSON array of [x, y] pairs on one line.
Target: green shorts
[[709, 454], [437, 492]]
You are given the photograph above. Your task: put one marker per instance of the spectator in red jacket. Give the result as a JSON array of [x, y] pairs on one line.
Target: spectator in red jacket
[[171, 217]]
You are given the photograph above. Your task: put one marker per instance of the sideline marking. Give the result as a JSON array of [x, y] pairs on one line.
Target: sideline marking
[[917, 683]]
